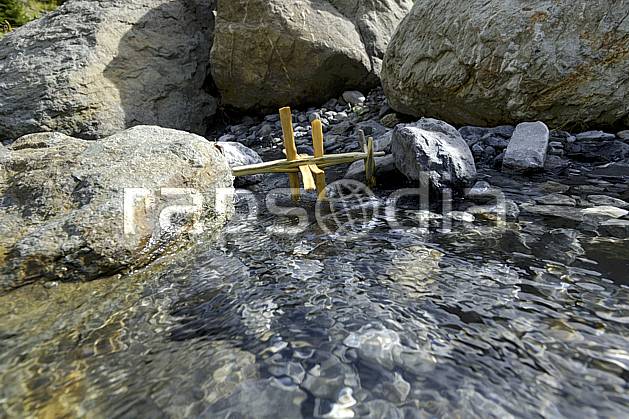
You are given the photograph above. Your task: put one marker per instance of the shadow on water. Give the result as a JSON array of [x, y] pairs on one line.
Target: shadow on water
[[162, 67]]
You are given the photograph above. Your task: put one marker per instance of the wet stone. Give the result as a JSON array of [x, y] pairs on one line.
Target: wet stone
[[611, 170], [397, 389], [595, 135], [461, 216], [496, 212], [605, 200], [587, 189], [603, 212], [390, 120], [481, 192], [497, 142], [267, 398], [266, 129], [556, 199], [293, 370], [561, 245], [555, 164], [554, 187], [325, 381], [554, 211], [615, 228], [598, 150]]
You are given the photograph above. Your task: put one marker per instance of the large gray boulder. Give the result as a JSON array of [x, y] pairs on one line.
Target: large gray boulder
[[527, 148], [491, 62], [93, 68], [436, 149], [73, 209], [271, 53]]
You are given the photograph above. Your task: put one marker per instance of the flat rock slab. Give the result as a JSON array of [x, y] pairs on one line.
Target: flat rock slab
[[556, 199], [527, 149], [604, 212], [615, 228], [555, 211], [605, 200], [595, 135]]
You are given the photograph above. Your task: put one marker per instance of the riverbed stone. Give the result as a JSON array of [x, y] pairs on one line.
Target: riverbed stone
[[556, 199], [598, 150], [265, 399], [437, 149], [386, 170], [595, 135], [554, 211], [605, 200], [552, 186], [353, 97], [506, 210], [482, 192], [615, 228], [614, 170], [555, 165], [240, 155], [63, 199], [560, 244], [527, 149], [93, 68], [604, 212]]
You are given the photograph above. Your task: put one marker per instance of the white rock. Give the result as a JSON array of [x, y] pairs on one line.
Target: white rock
[[605, 212], [354, 97], [527, 148], [608, 200]]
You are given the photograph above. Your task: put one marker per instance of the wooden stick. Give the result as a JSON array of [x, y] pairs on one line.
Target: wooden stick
[[315, 169], [306, 176], [361, 140], [317, 141], [286, 118], [370, 165], [286, 166]]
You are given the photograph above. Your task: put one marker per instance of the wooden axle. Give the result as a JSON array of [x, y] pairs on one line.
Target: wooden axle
[[292, 166]]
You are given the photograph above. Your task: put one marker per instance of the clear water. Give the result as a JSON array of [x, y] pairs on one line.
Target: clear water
[[401, 323]]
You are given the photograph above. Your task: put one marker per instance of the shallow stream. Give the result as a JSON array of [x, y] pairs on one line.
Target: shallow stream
[[402, 322]]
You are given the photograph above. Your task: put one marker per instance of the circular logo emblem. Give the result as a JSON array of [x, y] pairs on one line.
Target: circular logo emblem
[[349, 207]]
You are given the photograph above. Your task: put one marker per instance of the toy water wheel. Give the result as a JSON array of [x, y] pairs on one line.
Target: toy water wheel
[[312, 168]]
